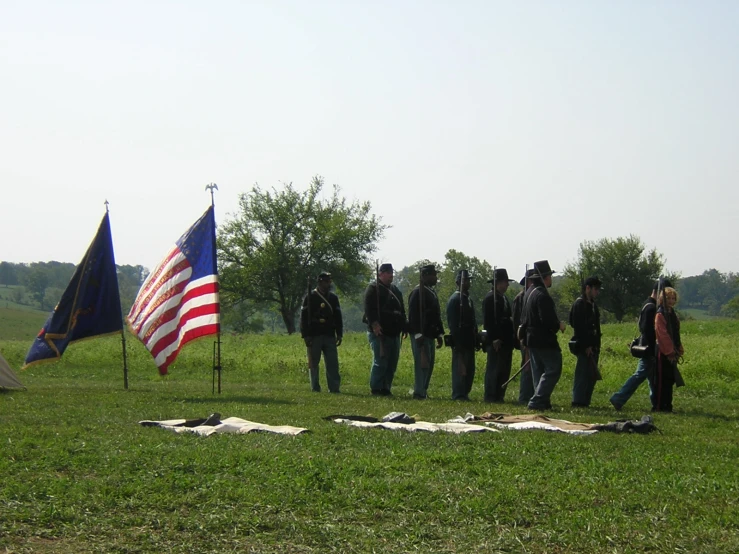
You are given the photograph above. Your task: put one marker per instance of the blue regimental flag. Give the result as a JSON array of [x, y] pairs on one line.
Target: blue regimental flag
[[90, 307]]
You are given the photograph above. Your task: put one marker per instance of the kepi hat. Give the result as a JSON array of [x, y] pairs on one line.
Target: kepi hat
[[529, 273], [463, 274], [428, 270]]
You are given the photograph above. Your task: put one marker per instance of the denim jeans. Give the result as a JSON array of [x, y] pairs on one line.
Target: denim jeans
[[422, 376], [546, 367], [526, 381], [463, 361], [584, 381], [497, 372], [644, 369], [326, 345], [385, 354]]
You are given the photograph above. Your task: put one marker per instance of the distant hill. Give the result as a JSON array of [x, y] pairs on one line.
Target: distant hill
[[20, 323]]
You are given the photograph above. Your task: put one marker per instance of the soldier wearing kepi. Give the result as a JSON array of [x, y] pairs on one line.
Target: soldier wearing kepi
[[585, 343], [498, 325], [384, 312], [425, 327], [526, 382], [460, 315], [541, 324], [322, 329]]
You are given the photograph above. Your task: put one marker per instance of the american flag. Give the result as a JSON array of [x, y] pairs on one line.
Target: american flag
[[178, 302]]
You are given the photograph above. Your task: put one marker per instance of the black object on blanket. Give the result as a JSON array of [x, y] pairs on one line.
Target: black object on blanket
[[211, 421], [394, 417], [643, 426]]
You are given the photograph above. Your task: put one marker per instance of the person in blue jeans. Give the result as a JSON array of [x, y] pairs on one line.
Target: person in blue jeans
[[646, 365]]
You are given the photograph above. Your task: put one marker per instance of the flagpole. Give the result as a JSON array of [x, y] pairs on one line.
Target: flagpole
[[217, 344], [123, 331]]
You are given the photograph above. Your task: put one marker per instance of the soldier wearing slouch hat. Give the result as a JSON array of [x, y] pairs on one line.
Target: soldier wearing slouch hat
[[460, 314], [499, 332], [384, 313], [322, 329], [541, 325], [425, 328]]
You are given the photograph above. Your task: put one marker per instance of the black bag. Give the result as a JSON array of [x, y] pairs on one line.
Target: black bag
[[574, 346], [449, 341], [637, 349]]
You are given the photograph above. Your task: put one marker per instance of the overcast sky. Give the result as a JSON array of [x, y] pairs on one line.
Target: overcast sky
[[511, 131]]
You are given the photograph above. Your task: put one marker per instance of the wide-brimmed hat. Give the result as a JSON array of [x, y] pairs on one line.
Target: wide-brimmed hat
[[543, 269], [500, 275]]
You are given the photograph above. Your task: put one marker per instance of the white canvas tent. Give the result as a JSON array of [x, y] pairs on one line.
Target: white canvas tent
[[8, 380]]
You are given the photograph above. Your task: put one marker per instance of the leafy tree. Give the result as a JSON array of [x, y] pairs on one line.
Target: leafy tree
[[130, 279], [281, 238], [624, 266], [7, 274], [480, 270], [241, 317], [38, 280]]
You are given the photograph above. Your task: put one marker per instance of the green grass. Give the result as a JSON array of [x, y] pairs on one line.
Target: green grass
[[20, 322], [696, 313], [80, 475]]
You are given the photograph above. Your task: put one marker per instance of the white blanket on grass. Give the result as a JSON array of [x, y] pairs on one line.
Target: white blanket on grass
[[228, 425], [527, 422], [455, 427]]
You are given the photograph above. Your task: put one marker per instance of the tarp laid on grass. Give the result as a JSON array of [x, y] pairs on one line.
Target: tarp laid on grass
[[8, 379], [213, 424], [398, 421], [525, 422]]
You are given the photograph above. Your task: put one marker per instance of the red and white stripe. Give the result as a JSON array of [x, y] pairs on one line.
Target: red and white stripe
[[172, 310]]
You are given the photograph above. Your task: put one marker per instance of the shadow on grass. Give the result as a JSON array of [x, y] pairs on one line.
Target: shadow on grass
[[245, 399]]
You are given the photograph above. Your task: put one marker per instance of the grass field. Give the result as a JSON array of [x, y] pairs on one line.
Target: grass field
[[80, 475]]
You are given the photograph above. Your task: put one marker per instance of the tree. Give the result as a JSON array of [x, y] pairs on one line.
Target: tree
[[480, 270], [625, 268], [38, 280], [281, 238], [7, 274]]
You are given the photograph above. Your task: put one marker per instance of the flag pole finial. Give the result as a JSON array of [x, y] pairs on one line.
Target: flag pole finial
[[211, 187], [106, 205]]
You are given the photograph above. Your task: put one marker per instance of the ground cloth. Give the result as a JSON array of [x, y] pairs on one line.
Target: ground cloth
[[401, 421], [213, 424], [538, 421]]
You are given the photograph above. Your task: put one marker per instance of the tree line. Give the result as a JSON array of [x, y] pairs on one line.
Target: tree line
[[270, 252]]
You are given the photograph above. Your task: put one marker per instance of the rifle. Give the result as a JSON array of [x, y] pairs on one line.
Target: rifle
[[377, 290], [524, 366], [462, 367], [422, 345], [309, 349]]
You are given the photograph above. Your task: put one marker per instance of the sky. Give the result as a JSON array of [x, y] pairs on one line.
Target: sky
[[509, 131]]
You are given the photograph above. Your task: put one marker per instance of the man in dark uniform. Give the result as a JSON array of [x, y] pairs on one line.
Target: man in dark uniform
[[646, 365], [498, 325], [425, 327], [585, 322], [541, 324], [526, 382], [322, 328], [460, 315], [386, 322]]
